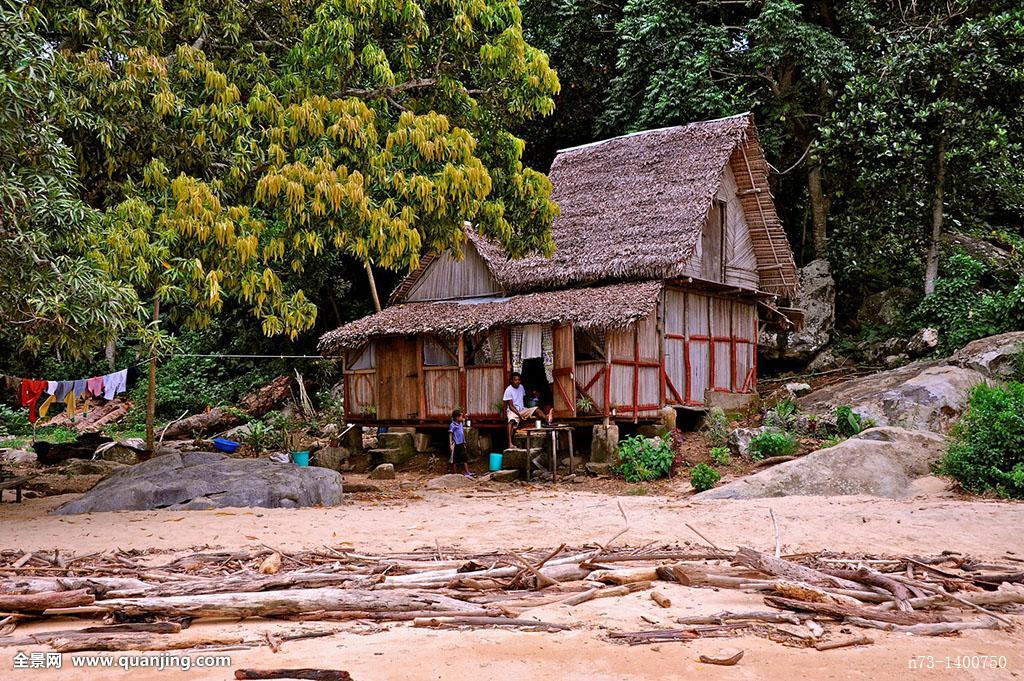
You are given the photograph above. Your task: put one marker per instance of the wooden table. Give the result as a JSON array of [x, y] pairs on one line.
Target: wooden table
[[542, 432]]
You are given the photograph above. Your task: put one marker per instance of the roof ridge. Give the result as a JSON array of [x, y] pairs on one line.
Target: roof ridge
[[651, 130]]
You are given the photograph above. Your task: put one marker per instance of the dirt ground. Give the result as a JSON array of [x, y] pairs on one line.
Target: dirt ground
[[492, 517]]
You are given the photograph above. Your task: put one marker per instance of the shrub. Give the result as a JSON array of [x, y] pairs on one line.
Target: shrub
[[14, 421], [716, 427], [849, 422], [720, 455], [771, 443], [987, 448], [703, 477], [643, 459]]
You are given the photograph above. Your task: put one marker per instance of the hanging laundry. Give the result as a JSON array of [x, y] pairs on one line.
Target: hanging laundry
[[517, 349], [69, 404], [532, 341], [94, 385], [63, 388], [548, 348], [115, 383], [45, 406], [79, 388], [51, 387], [30, 392]]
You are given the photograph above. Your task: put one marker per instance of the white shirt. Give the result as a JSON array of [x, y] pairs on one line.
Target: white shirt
[[516, 395]]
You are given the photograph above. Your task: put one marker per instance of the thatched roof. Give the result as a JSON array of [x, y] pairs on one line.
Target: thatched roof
[[634, 208], [597, 308]]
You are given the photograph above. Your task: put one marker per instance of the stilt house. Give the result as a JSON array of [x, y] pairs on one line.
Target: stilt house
[[667, 244]]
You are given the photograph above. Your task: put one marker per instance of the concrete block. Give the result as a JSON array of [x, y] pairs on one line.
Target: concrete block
[[604, 447], [391, 455], [731, 402]]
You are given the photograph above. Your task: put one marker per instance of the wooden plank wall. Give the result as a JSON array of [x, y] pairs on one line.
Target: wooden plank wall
[[590, 381], [442, 390], [447, 277], [710, 343], [635, 368], [484, 387]]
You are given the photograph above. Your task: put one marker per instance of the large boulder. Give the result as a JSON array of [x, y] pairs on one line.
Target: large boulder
[[924, 396], [995, 356], [884, 308], [881, 462], [818, 301], [203, 480]]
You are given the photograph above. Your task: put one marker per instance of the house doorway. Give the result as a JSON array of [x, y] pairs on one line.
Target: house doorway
[[536, 383]]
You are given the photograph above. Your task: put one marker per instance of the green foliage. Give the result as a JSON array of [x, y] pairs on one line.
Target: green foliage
[[14, 421], [987, 448], [703, 477], [642, 459], [716, 427], [848, 422], [261, 436], [584, 405], [772, 443], [720, 455], [968, 303]]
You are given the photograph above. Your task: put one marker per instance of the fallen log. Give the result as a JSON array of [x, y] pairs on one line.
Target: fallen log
[[780, 567], [844, 643], [149, 642], [405, 616], [624, 576], [241, 584], [840, 612], [98, 586], [754, 616], [806, 592], [901, 594], [457, 621], [305, 674], [44, 600], [606, 592], [926, 629], [276, 603], [661, 599], [68, 634], [1006, 595]]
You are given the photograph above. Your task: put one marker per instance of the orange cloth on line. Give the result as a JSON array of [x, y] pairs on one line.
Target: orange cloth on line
[[30, 393]]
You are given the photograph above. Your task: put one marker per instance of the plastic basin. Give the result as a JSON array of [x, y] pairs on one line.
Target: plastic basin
[[225, 445]]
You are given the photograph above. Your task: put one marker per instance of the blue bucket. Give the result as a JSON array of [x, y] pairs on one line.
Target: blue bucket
[[495, 462], [300, 458]]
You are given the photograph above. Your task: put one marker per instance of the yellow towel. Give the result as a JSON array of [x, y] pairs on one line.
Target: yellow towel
[[69, 402]]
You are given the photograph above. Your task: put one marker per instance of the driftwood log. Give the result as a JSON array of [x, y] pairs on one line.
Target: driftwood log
[[277, 603], [45, 600], [305, 674]]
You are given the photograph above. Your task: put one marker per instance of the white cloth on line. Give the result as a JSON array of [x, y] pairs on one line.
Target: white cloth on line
[[532, 345], [115, 383]]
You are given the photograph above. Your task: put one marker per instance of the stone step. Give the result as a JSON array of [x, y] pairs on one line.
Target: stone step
[[392, 455], [392, 440], [516, 457]]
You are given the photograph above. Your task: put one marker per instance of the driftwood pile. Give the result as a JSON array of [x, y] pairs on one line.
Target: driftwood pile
[[144, 602]]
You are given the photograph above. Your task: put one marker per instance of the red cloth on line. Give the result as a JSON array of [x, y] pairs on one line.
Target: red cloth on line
[[30, 392]]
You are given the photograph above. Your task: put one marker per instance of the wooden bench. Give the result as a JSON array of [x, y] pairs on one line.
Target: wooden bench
[[13, 482]]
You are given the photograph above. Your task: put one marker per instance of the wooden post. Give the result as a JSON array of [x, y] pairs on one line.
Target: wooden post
[[151, 392]]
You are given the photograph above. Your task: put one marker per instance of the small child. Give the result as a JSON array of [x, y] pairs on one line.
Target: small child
[[457, 444]]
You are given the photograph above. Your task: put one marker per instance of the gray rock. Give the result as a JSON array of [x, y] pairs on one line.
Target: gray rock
[[599, 469], [739, 439], [825, 360], [396, 448], [923, 342], [385, 471], [125, 451], [798, 389], [421, 442], [394, 456], [885, 307], [334, 458], [995, 356], [451, 481], [818, 301], [922, 395], [19, 456], [90, 467], [200, 480], [893, 361], [507, 475], [604, 447], [881, 462], [517, 457]]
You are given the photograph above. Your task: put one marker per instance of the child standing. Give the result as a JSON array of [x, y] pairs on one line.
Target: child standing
[[457, 444]]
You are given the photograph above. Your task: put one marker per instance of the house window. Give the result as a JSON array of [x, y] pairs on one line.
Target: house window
[[486, 348], [362, 358], [714, 243], [439, 352], [589, 345]]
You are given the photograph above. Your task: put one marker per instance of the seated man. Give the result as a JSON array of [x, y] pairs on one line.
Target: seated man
[[515, 410]]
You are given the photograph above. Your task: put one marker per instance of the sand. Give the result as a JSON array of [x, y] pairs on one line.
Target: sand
[[543, 516]]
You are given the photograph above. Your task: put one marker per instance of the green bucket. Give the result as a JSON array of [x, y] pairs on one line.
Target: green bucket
[[300, 458]]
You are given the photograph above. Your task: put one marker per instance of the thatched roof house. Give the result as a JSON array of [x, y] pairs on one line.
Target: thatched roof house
[[672, 217]]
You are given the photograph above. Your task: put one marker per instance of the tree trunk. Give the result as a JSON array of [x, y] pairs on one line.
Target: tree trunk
[[373, 287], [931, 272], [151, 392], [111, 353], [819, 211]]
